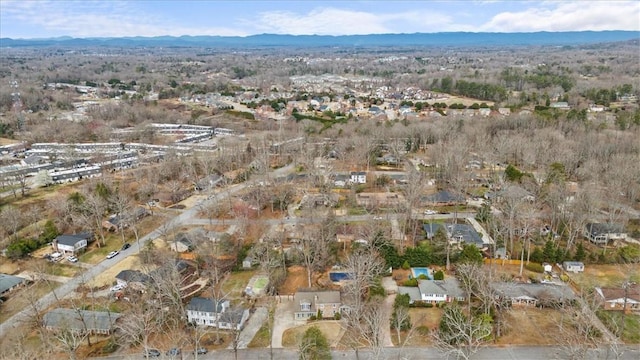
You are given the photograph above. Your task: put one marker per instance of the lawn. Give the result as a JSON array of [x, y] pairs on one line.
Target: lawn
[[235, 283], [613, 319], [606, 275], [331, 329], [532, 326], [21, 298]]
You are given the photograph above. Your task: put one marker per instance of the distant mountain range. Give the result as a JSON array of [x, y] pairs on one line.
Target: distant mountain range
[[271, 40]]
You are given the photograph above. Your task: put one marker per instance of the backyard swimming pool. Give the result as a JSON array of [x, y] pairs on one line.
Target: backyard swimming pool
[[417, 271], [338, 276]]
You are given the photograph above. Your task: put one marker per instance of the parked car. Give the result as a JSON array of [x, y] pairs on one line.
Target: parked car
[[72, 259], [125, 246], [430, 212], [117, 288], [200, 351], [151, 353], [112, 254], [173, 352]]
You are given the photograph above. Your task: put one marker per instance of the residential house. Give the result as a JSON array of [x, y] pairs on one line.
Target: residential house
[[620, 298], [562, 105], [442, 198], [573, 266], [523, 294], [431, 229], [81, 321], [133, 279], [71, 244], [233, 319], [358, 177], [602, 233], [204, 311], [412, 291], [309, 302], [121, 221], [341, 180], [439, 291], [208, 182], [379, 199], [456, 233], [9, 283]]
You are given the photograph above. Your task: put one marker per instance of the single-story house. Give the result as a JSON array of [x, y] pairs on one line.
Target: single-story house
[[208, 182], [9, 283], [82, 321], [340, 180], [438, 291], [412, 291], [71, 244], [443, 198], [121, 221], [522, 294], [379, 199], [132, 278], [615, 298], [573, 266], [308, 302], [601, 234], [205, 311]]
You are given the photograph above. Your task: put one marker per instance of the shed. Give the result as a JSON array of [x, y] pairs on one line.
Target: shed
[[573, 266]]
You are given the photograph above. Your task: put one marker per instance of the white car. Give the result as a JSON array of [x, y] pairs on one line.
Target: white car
[[377, 218], [430, 212], [112, 254], [72, 259], [117, 288]]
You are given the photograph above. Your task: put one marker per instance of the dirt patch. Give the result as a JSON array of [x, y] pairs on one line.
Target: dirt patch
[[296, 279], [332, 330], [10, 267], [108, 277], [5, 141]]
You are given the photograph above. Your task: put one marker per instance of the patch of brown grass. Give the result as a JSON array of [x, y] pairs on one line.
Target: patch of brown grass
[[20, 299], [606, 275], [532, 326], [332, 330], [296, 279]]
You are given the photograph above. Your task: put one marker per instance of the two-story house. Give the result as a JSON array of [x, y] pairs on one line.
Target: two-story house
[[601, 234], [358, 177], [71, 244], [203, 311], [308, 302]]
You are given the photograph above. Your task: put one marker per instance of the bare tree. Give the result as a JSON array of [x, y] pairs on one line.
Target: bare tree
[[461, 335], [364, 265]]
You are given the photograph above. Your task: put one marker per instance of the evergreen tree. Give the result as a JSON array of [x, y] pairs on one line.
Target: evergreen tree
[[580, 253], [314, 345]]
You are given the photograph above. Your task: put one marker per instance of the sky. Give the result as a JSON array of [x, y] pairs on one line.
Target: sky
[[117, 18]]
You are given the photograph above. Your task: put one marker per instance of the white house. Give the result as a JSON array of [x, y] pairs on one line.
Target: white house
[[71, 244], [358, 177], [438, 291], [601, 234], [573, 266], [202, 311]]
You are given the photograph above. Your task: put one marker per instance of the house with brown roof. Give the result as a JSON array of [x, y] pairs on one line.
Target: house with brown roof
[[620, 298]]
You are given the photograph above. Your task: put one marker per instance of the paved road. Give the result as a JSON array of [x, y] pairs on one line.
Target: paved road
[[488, 353], [70, 286]]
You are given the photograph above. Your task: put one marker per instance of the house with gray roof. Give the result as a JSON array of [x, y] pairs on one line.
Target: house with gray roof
[[9, 283], [233, 319], [132, 278], [431, 229], [523, 294], [205, 311], [412, 291], [439, 291], [602, 233], [71, 244], [464, 233], [443, 197], [308, 302], [82, 321]]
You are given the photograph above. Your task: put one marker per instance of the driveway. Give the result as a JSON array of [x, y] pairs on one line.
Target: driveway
[[251, 328], [283, 320]]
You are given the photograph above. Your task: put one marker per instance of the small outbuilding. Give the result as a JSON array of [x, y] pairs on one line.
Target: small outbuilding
[[573, 266]]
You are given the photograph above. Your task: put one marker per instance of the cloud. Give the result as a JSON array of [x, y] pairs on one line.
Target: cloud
[[333, 21], [98, 19], [569, 16]]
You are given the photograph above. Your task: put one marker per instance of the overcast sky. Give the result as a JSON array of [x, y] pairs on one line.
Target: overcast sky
[[113, 18]]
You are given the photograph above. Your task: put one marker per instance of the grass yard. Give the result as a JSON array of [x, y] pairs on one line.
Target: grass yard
[[423, 320], [613, 319], [263, 336], [108, 277], [21, 298], [235, 284], [532, 326], [606, 275], [331, 329]]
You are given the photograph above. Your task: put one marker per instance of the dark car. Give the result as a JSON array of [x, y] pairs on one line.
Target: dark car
[[151, 353], [173, 352], [125, 246]]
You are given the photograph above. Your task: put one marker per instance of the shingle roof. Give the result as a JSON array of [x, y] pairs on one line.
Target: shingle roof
[[71, 240], [414, 292], [78, 319], [448, 286], [602, 228], [206, 305], [132, 276], [9, 281], [536, 291], [324, 297]]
